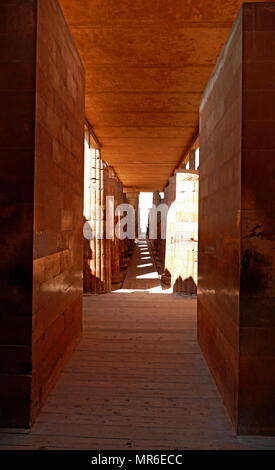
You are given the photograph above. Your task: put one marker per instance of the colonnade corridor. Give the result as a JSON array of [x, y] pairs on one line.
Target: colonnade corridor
[[137, 379]]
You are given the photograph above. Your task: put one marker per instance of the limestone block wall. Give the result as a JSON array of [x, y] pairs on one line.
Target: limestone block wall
[[257, 286], [58, 200], [236, 223], [219, 221], [17, 96], [42, 83]]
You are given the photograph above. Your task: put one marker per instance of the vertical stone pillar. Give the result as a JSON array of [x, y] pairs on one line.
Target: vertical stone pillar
[[156, 243], [102, 229], [236, 324], [98, 222], [171, 191], [99, 245], [133, 199], [89, 274], [116, 277], [87, 215], [111, 214], [93, 222], [129, 244], [192, 160], [182, 232], [121, 241], [107, 239]]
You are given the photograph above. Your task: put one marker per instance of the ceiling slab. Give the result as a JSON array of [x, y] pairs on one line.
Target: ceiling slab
[[142, 119], [102, 12], [174, 132], [147, 63], [144, 102], [142, 79], [153, 45]]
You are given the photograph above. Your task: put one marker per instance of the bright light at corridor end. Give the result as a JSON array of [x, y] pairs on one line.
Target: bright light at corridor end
[[121, 220], [145, 204]]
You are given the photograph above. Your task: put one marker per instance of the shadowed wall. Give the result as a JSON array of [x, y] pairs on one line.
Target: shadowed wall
[[42, 124], [17, 95], [58, 201], [236, 222]]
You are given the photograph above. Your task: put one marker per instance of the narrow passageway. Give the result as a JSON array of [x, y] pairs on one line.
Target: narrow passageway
[[142, 273], [137, 380]]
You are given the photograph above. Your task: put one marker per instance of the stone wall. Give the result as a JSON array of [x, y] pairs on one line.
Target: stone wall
[[42, 118], [236, 222], [219, 219], [58, 200], [257, 287], [17, 95]]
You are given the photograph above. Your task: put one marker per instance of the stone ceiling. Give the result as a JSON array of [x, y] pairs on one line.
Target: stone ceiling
[[147, 63]]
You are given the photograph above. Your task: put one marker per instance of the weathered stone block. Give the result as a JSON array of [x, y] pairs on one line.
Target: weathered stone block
[[236, 221]]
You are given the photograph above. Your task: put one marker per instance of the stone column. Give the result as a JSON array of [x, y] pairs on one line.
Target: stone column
[[107, 193], [102, 229], [192, 160], [156, 243], [133, 199], [93, 223], [98, 222], [121, 241], [129, 244], [182, 233], [116, 278]]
